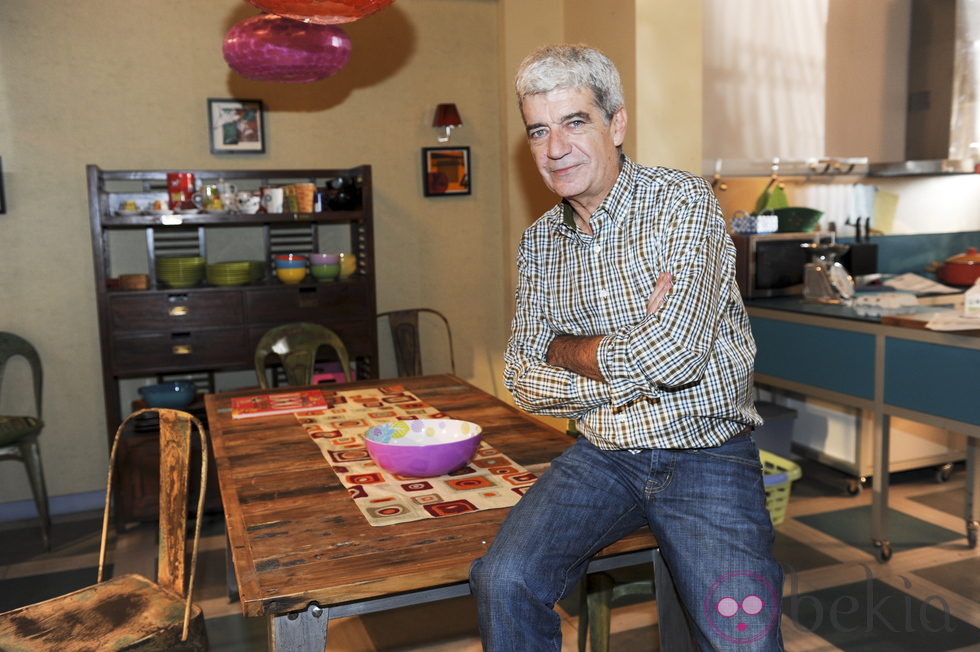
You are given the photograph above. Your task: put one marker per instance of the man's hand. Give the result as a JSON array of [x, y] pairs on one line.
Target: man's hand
[[659, 294]]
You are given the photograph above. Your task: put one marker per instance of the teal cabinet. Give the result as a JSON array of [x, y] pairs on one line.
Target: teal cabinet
[[828, 358]]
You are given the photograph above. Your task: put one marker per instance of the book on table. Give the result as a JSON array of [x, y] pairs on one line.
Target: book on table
[[264, 405]]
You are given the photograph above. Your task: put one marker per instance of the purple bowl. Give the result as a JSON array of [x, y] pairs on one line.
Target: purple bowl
[[325, 259], [423, 448]]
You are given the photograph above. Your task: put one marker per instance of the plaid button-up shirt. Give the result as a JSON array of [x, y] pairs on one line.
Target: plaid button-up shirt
[[680, 378]]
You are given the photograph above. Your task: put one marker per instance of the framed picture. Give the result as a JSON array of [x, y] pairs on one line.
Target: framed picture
[[446, 171], [236, 126], [3, 204]]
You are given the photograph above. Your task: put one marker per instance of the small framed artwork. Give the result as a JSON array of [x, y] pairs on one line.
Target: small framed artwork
[[236, 126], [446, 171]]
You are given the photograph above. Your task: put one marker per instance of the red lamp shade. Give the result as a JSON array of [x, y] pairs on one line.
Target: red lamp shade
[[273, 48], [446, 116], [322, 12]]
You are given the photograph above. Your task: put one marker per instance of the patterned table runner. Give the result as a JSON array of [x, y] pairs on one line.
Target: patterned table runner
[[490, 481]]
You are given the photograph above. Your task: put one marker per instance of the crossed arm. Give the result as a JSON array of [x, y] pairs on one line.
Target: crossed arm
[[579, 354]]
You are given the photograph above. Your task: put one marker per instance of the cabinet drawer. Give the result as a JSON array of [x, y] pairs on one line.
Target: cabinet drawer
[[178, 350], [175, 310], [315, 302]]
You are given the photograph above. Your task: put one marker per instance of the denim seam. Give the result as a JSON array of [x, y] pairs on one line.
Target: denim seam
[[584, 559], [753, 464], [649, 493]]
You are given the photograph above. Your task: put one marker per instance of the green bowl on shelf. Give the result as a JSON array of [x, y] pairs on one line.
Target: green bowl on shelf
[[797, 219]]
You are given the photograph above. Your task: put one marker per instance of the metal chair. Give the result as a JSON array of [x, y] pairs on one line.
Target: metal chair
[[404, 326], [19, 433], [297, 344], [130, 611]]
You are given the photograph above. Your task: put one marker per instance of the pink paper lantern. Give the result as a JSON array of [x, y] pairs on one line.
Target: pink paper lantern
[[323, 12], [273, 48]]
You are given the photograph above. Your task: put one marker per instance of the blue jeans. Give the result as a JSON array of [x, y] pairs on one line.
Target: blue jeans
[[705, 506]]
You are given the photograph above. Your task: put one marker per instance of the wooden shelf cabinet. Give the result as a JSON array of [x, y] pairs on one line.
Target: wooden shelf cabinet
[[204, 330]]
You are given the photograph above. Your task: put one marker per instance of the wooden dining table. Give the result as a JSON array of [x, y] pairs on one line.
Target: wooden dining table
[[303, 554]]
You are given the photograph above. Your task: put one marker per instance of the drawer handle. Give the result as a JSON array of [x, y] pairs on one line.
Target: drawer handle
[[181, 349], [179, 311]]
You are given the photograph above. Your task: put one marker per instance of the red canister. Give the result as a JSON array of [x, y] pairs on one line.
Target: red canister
[[180, 188]]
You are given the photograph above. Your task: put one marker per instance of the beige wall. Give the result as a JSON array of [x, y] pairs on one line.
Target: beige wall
[[124, 84]]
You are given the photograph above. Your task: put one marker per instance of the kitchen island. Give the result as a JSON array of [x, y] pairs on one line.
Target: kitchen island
[[884, 366]]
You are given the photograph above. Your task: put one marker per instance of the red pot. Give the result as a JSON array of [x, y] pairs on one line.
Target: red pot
[[961, 269]]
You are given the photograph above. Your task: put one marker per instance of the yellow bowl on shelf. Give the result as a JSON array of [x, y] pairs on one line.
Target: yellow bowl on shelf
[[291, 275], [348, 265]]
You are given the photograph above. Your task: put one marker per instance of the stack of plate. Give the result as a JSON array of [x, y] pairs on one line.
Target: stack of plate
[[180, 271], [256, 270], [237, 272]]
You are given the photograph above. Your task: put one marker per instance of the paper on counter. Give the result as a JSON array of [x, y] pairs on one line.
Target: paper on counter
[[919, 284], [953, 320]]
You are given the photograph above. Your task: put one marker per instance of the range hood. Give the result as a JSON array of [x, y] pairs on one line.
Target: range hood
[[942, 131]]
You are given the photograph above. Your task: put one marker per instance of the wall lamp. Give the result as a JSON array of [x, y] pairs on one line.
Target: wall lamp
[[446, 116]]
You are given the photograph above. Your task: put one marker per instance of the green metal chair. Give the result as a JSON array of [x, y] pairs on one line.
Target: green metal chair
[[404, 325], [297, 344], [19, 433]]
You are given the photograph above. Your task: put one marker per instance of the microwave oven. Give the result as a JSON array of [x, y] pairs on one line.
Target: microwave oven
[[771, 264]]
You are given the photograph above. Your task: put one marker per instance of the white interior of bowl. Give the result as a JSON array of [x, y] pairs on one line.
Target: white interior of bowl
[[422, 432]]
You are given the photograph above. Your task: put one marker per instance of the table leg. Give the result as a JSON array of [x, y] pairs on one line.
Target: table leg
[[301, 630], [675, 633], [230, 577], [879, 501], [972, 489]]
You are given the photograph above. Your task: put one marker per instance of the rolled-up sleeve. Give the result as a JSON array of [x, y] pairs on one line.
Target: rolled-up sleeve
[[538, 387]]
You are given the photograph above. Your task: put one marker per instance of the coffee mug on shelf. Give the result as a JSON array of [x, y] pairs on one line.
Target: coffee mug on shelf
[[272, 200]]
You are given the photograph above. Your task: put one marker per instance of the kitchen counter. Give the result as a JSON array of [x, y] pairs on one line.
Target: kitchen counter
[[796, 304], [884, 366]]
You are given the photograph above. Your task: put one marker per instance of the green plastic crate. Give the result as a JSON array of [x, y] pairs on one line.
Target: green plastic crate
[[779, 476]]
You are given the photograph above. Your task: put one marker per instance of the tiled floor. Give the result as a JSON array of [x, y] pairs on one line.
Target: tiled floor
[[837, 595]]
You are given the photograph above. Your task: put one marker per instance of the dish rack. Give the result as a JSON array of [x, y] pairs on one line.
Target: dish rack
[[779, 476]]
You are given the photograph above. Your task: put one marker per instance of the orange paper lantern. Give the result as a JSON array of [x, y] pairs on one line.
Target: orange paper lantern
[[323, 12]]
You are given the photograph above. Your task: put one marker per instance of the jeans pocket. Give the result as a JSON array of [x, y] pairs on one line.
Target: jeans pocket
[[740, 450]]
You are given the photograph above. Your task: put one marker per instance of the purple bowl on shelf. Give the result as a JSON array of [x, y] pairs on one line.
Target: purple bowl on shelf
[[325, 259], [422, 448]]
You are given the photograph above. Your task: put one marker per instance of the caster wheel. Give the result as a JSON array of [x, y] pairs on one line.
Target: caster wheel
[[854, 487], [971, 536], [885, 552], [944, 473]]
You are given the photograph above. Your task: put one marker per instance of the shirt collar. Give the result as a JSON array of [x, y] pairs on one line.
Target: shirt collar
[[615, 205]]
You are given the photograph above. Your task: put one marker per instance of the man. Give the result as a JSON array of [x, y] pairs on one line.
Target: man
[[628, 320]]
